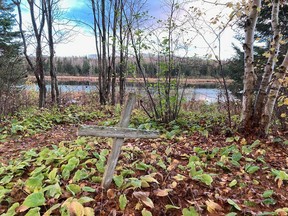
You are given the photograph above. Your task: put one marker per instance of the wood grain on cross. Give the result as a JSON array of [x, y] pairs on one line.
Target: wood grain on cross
[[119, 133]]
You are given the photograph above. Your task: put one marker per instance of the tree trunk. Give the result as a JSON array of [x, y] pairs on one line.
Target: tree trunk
[[270, 65], [54, 82], [37, 30], [273, 94], [39, 72], [122, 57], [113, 60], [98, 33], [104, 54], [249, 73]]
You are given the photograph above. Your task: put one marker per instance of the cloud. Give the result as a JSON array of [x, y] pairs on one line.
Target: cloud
[[79, 45], [72, 4], [82, 43]]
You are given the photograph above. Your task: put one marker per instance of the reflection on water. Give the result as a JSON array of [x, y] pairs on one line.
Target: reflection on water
[[209, 93]]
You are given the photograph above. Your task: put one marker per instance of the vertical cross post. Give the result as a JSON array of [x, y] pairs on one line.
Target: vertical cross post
[[118, 142]]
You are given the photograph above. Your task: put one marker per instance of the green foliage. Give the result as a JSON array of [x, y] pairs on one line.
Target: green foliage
[[207, 119], [280, 176], [122, 201], [189, 67], [145, 212], [34, 183], [70, 173], [53, 191], [11, 64], [33, 212], [80, 174], [234, 204], [205, 178], [12, 210], [74, 189], [234, 69], [9, 41], [231, 214], [35, 199], [233, 183], [32, 121], [75, 66], [119, 180], [198, 174], [189, 212], [249, 168]]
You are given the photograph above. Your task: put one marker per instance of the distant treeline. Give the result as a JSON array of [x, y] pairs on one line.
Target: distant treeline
[[84, 66]]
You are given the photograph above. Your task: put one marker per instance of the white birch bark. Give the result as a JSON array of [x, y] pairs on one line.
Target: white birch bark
[[273, 94], [249, 74], [271, 62]]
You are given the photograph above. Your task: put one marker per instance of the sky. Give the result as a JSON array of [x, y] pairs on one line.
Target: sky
[[82, 43]]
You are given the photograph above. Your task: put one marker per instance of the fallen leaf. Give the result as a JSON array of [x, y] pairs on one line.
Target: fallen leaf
[[153, 145], [138, 206], [243, 141], [173, 165], [168, 150], [282, 212], [162, 193], [111, 194], [280, 182], [89, 211], [171, 207], [179, 177], [148, 202], [143, 197], [149, 179], [76, 208], [173, 185], [213, 206], [140, 194], [22, 208]]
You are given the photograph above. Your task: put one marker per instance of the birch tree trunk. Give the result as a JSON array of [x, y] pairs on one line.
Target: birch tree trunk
[[249, 73], [273, 94], [270, 65], [258, 118]]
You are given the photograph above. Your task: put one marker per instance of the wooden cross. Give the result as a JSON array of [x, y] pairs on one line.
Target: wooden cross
[[119, 134]]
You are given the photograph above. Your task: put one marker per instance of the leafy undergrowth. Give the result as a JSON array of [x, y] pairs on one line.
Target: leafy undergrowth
[[33, 121], [190, 170]]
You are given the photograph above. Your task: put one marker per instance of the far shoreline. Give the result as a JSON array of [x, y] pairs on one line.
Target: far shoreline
[[129, 79]]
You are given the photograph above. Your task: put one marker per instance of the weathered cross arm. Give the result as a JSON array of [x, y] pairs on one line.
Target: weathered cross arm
[[119, 133], [116, 132]]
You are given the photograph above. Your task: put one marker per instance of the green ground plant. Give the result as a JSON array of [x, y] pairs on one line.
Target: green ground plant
[[32, 121], [64, 178]]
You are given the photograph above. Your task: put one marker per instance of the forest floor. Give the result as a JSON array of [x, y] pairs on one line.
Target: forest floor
[[48, 170]]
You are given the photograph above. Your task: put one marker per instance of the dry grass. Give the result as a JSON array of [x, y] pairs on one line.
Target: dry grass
[[129, 79]]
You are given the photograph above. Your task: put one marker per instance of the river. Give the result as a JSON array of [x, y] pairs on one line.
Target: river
[[204, 92]]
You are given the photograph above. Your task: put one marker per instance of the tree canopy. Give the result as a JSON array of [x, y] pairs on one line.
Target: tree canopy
[[8, 37]]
